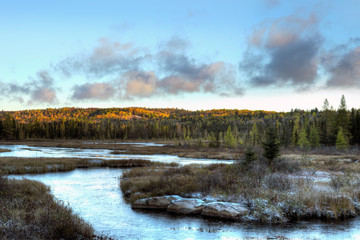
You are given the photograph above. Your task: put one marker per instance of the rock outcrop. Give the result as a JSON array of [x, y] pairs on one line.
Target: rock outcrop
[[155, 202], [224, 210], [179, 205], [186, 206]]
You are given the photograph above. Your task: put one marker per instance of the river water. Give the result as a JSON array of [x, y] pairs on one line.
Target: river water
[[94, 194], [105, 154]]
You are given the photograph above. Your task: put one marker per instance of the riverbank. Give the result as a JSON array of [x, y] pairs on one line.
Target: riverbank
[[29, 211], [292, 189]]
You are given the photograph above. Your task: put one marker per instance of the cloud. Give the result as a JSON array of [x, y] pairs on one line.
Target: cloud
[[42, 90], [134, 73], [108, 58], [140, 84], [184, 74], [283, 53], [45, 78], [38, 90], [42, 94], [343, 65], [9, 89], [101, 91], [272, 3]]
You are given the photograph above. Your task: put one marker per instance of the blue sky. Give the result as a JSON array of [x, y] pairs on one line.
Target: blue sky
[[265, 54]]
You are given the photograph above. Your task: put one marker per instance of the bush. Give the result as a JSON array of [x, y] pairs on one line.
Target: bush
[[286, 165], [279, 182]]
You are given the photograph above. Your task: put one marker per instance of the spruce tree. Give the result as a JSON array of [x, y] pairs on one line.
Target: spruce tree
[[249, 156], [229, 139], [342, 118], [303, 141], [314, 137], [295, 133], [254, 135], [271, 145], [341, 140]]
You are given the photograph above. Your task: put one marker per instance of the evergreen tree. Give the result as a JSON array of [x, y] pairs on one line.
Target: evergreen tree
[[314, 137], [295, 133], [303, 141], [342, 118], [326, 105], [254, 135], [328, 126], [249, 156], [271, 145], [212, 140], [341, 140], [229, 139]]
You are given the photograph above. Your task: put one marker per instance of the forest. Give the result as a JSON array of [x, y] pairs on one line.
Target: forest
[[208, 128]]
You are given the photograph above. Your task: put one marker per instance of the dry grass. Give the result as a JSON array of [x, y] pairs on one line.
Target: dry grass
[[4, 150], [29, 211], [170, 148], [274, 194], [17, 165]]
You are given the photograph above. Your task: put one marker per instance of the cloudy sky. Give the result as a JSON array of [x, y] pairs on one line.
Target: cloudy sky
[[204, 54]]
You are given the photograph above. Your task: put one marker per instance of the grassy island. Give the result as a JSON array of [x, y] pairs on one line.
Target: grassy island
[[293, 187]]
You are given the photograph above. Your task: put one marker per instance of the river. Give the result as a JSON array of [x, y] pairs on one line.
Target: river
[[94, 194]]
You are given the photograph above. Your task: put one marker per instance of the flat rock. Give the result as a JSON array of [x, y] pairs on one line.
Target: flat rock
[[224, 210], [155, 202], [186, 206]]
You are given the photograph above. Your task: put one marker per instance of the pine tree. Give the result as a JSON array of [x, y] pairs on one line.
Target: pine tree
[[341, 140], [342, 118], [303, 141], [212, 140], [314, 137], [249, 156], [295, 133], [271, 145], [254, 135], [229, 139]]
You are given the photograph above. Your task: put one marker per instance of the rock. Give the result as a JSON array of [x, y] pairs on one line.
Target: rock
[[224, 210], [154, 202], [186, 206]]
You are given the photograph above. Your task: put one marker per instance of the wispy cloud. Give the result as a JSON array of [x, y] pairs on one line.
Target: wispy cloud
[[108, 58], [39, 89]]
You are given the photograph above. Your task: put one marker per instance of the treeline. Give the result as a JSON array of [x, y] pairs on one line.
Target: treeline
[[229, 128]]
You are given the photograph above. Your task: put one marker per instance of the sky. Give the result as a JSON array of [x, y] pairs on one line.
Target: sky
[[206, 54]]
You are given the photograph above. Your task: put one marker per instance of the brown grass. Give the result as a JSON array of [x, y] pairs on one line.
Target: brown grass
[[4, 150], [274, 194], [29, 211], [171, 148], [17, 165]]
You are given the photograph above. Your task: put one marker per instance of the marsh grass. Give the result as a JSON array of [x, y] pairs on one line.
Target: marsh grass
[[29, 211], [276, 193], [17, 165], [4, 150]]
